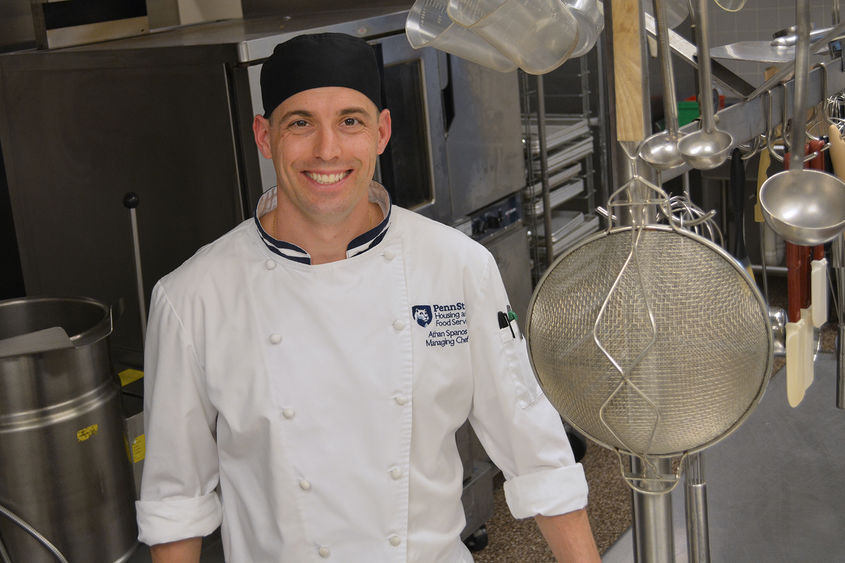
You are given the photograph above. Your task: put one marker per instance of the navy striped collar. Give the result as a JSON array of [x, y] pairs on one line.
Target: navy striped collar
[[358, 245]]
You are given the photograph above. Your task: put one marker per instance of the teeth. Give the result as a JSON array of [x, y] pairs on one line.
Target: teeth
[[327, 178]]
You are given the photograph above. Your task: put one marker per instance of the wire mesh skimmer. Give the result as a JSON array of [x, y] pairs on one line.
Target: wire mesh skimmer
[[650, 340]]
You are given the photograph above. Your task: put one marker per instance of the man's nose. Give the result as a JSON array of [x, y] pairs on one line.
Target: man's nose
[[327, 143]]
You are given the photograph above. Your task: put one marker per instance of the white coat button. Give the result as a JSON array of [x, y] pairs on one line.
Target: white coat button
[[401, 400], [389, 255], [305, 485], [398, 325], [396, 473], [269, 264], [324, 552], [275, 338], [394, 540], [288, 413]]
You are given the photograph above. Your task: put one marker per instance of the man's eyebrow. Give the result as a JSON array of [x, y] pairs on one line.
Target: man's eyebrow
[[296, 113], [354, 110]]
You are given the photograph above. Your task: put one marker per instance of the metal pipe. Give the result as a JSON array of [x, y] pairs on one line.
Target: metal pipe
[[838, 255], [32, 532], [654, 540], [130, 201], [544, 170], [695, 495], [665, 53], [802, 67], [840, 368], [702, 36], [689, 54]]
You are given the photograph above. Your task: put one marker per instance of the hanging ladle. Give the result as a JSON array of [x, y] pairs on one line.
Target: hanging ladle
[[708, 147], [803, 206], [661, 149]]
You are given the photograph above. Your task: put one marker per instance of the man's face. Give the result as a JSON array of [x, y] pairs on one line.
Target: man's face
[[324, 143]]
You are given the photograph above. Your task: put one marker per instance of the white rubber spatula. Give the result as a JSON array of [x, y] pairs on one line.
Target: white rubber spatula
[[808, 341], [818, 291], [795, 361]]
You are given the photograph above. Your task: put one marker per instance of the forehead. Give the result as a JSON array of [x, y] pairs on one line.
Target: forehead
[[328, 100]]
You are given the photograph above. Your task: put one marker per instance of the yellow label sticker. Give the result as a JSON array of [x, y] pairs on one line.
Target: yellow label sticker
[[128, 376], [85, 433], [138, 449]]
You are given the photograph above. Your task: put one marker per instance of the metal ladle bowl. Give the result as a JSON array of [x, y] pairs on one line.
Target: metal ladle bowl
[[661, 150], [805, 207], [705, 149]]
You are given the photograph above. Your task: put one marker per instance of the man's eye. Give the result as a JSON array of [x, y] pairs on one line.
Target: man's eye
[[299, 123], [350, 122]]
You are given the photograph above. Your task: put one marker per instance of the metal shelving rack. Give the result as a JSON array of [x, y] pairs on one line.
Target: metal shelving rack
[[559, 197]]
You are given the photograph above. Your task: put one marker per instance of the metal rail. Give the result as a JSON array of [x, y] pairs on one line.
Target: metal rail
[[747, 120]]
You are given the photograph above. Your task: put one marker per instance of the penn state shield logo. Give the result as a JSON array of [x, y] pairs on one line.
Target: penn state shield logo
[[422, 314]]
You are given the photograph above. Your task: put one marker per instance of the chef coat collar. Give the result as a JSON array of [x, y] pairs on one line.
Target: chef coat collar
[[358, 245]]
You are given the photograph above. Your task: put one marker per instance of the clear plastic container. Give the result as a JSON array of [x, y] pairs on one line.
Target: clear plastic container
[[590, 24], [428, 25], [538, 35]]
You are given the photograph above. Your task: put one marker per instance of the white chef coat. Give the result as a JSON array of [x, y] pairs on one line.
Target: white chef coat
[[324, 399]]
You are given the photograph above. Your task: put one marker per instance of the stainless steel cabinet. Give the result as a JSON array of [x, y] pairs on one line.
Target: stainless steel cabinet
[[79, 132]]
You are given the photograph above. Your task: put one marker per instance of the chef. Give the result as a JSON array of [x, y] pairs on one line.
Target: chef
[[306, 372]]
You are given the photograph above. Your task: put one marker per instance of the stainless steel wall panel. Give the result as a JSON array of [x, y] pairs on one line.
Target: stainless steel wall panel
[[76, 140], [510, 249], [484, 140]]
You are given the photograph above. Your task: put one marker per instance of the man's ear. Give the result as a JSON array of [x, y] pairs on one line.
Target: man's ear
[[384, 130], [261, 131]]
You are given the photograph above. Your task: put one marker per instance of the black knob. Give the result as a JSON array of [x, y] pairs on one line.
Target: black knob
[[493, 221], [131, 200]]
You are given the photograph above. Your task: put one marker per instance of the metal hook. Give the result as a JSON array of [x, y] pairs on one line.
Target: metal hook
[[786, 120], [748, 150], [769, 128]]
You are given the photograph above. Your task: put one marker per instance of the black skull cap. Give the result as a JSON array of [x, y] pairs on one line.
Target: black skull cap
[[316, 61]]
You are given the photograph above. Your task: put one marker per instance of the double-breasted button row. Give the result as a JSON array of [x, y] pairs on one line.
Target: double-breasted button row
[[324, 551]]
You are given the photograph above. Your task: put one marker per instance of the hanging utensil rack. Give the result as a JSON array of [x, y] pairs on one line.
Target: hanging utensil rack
[[746, 120]]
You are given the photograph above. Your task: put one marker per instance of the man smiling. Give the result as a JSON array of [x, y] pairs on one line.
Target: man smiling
[[291, 391], [324, 143]]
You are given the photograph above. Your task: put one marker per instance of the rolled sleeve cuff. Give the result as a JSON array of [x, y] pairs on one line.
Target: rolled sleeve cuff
[[548, 493], [162, 521]]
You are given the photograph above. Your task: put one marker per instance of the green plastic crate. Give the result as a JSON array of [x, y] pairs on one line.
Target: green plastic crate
[[687, 112]]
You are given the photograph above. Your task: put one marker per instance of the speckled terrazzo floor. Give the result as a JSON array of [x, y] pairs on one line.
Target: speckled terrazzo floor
[[519, 541]]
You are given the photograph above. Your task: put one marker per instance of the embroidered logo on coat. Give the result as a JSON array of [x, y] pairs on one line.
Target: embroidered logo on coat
[[450, 323], [422, 314]]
